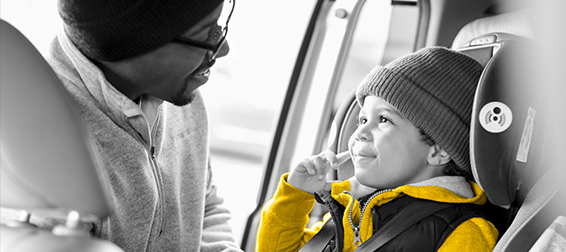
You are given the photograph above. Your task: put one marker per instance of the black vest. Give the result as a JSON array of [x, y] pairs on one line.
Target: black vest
[[426, 235]]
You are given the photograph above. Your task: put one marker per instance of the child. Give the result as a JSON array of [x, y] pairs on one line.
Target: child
[[411, 145]]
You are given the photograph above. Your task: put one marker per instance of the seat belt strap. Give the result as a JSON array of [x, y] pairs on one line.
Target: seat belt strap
[[319, 241], [409, 216], [452, 226]]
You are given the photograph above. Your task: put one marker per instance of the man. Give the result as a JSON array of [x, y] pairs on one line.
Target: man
[[133, 67]]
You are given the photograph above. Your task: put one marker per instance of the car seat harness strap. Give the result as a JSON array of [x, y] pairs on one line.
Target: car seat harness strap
[[412, 214]]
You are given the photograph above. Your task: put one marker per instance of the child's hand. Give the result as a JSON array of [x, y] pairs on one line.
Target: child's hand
[[310, 174]]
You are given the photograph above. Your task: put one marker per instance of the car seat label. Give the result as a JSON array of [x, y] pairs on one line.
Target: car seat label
[[523, 151]]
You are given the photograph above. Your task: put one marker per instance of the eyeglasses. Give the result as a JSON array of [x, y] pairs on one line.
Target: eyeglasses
[[218, 35]]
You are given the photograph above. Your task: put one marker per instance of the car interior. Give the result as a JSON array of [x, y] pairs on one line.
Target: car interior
[[516, 166], [513, 135]]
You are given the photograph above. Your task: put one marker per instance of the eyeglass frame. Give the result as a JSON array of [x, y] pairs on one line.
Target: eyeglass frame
[[215, 49]]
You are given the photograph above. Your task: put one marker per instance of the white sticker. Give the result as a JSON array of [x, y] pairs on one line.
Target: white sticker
[[495, 117], [523, 151]]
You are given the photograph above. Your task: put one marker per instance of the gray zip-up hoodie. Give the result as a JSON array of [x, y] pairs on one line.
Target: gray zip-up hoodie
[[156, 158]]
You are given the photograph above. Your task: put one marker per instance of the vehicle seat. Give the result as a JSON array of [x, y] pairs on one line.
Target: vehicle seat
[[511, 137], [48, 164]]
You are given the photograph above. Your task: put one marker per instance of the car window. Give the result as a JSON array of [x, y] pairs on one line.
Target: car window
[[244, 96], [37, 20], [385, 30], [246, 87]]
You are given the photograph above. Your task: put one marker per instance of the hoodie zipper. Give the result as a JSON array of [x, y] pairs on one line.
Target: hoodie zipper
[[158, 181], [156, 174], [356, 228], [152, 155]]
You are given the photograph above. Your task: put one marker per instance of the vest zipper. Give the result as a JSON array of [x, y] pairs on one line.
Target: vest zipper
[[356, 228]]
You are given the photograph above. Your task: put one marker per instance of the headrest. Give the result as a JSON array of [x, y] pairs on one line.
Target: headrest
[[48, 164], [507, 128], [519, 23]]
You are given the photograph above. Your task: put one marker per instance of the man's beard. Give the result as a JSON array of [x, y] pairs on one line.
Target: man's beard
[[181, 99]]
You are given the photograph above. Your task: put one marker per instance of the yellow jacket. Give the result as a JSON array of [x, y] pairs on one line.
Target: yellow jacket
[[283, 224]]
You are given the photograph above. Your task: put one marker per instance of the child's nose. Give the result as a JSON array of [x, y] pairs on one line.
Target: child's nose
[[361, 135]]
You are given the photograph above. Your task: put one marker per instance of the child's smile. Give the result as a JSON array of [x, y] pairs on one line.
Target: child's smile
[[363, 155]]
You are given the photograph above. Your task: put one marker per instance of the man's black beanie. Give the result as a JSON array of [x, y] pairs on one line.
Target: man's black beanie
[[113, 30]]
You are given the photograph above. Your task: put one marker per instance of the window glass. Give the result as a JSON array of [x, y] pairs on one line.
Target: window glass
[[38, 20], [245, 93], [384, 32]]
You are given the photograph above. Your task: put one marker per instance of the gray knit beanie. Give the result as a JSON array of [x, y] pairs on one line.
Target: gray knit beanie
[[112, 30], [434, 88]]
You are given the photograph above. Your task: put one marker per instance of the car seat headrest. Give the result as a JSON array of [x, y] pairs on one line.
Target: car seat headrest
[[507, 129], [519, 23], [48, 164]]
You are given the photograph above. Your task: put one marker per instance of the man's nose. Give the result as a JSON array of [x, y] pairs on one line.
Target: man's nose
[[224, 49]]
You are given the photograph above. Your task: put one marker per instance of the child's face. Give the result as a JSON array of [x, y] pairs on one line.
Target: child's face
[[386, 147]]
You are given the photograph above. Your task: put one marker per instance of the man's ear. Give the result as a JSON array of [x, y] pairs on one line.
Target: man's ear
[[437, 156]]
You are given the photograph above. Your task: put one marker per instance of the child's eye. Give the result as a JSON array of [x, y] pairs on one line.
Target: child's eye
[[383, 119], [362, 120]]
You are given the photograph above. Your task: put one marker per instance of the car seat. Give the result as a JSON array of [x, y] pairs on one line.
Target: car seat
[[512, 140], [48, 164], [525, 191], [511, 148]]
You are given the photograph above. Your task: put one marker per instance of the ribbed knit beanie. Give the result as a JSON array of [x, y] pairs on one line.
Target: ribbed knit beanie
[[434, 88], [112, 30]]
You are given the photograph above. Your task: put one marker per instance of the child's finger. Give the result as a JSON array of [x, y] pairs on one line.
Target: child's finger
[[321, 166], [343, 157], [308, 165], [336, 159]]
